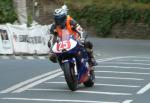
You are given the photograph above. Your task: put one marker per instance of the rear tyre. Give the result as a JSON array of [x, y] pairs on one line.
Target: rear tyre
[[70, 76], [91, 80]]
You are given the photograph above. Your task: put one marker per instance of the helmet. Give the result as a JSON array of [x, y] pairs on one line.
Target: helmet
[[65, 8], [60, 15]]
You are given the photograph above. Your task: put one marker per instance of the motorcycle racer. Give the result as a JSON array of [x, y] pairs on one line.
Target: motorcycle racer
[[65, 21]]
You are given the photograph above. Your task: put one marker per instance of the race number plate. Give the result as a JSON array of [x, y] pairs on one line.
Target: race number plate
[[63, 45]]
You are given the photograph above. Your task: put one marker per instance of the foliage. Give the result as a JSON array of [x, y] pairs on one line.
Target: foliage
[[30, 20], [103, 14], [143, 1], [7, 13]]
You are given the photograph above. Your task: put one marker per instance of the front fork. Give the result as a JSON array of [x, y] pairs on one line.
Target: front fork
[[73, 61], [75, 66]]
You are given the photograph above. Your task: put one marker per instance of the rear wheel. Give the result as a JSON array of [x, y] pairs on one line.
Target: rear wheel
[[91, 80], [70, 76]]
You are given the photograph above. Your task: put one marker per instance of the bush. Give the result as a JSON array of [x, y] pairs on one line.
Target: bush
[[7, 13], [104, 15], [144, 1]]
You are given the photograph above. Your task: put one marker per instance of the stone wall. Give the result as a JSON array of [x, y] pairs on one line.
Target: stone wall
[[131, 30]]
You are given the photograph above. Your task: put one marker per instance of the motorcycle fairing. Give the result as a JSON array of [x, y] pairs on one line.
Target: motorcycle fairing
[[64, 45]]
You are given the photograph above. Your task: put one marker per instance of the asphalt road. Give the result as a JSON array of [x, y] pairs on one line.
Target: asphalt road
[[122, 76]]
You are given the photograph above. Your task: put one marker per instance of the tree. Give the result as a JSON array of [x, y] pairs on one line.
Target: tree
[[21, 10]]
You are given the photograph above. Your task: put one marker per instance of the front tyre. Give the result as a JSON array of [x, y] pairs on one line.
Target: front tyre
[[70, 76]]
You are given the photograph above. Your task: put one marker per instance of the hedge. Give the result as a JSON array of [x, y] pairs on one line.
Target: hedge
[[7, 13], [104, 16]]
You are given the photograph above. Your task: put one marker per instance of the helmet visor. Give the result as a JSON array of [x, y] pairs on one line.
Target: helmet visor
[[59, 20]]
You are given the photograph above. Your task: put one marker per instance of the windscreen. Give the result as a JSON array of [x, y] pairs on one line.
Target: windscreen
[[65, 35]]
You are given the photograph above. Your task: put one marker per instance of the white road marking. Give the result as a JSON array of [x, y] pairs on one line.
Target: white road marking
[[123, 57], [119, 72], [120, 78], [127, 101], [41, 57], [144, 89], [56, 100], [30, 57], [55, 82], [142, 61], [143, 58], [115, 58], [18, 57], [28, 81], [127, 63], [133, 60], [82, 91], [96, 84], [5, 57], [37, 82], [99, 77], [115, 85], [123, 67]]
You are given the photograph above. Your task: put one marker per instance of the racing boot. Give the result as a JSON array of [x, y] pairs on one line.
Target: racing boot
[[89, 48], [92, 60]]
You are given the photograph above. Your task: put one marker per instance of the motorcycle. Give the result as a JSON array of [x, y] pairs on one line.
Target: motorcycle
[[73, 59]]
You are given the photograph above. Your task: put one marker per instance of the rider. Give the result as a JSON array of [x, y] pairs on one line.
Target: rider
[[62, 20]]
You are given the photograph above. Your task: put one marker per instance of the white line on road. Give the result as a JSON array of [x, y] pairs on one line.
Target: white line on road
[[124, 57], [115, 58], [127, 101], [29, 57], [96, 84], [82, 91], [122, 67], [119, 72], [133, 60], [41, 57], [28, 81], [127, 63], [120, 78], [141, 60], [115, 85], [5, 57], [144, 89], [99, 77], [56, 100], [37, 82], [55, 82], [17, 57]]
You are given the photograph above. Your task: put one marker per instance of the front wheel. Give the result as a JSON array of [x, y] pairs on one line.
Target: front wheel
[[70, 76], [91, 80]]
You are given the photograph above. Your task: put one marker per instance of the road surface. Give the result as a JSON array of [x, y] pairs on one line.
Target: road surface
[[122, 76]]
